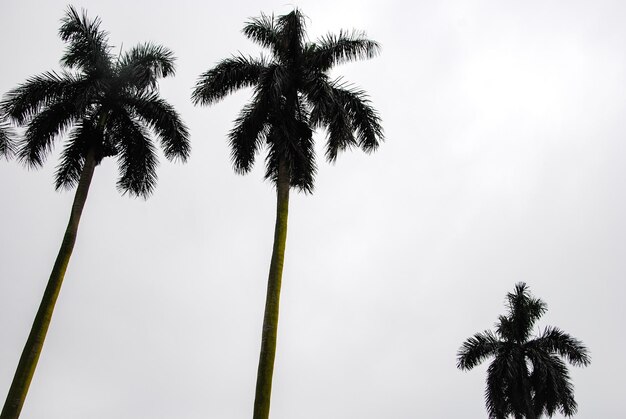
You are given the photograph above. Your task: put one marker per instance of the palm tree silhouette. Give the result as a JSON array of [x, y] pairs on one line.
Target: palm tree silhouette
[[527, 377], [110, 104], [293, 95]]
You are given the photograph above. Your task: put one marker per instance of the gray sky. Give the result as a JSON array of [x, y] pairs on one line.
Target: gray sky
[[503, 163]]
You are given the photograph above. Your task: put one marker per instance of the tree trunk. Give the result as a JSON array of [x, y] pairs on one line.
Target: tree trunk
[[270, 319], [32, 349]]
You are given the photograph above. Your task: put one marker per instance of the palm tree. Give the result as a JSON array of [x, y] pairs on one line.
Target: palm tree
[[527, 377], [109, 104], [293, 95]]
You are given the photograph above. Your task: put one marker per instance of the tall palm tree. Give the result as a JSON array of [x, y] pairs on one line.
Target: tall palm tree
[[293, 95], [527, 377], [109, 104]]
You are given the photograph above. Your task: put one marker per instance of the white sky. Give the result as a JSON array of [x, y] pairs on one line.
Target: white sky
[[503, 163]]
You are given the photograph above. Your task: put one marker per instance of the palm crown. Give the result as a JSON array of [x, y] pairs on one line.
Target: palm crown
[[293, 95], [527, 376], [109, 102]]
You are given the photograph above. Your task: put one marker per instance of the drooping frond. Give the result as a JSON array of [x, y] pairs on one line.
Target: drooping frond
[[364, 118], [161, 118], [345, 112], [291, 139], [248, 133], [42, 130], [74, 152], [476, 349], [346, 46], [136, 155], [143, 65], [264, 31], [340, 133], [7, 142], [551, 385], [496, 398], [554, 340], [29, 98], [228, 76]]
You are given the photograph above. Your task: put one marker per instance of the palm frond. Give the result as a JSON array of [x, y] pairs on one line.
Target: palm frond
[[524, 311], [476, 349], [226, 77], [29, 98], [162, 118], [496, 399], [88, 47], [344, 47], [248, 133], [136, 155], [552, 386], [42, 130], [554, 340], [291, 139], [143, 65], [345, 112], [74, 153], [264, 31], [364, 118], [291, 30], [7, 141]]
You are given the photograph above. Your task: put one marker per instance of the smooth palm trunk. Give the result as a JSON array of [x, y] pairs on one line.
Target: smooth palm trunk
[[32, 349], [270, 319]]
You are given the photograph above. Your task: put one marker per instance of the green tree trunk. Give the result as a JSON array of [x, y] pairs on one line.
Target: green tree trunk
[[32, 349], [270, 319]]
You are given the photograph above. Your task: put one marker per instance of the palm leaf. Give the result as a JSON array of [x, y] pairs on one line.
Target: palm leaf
[[136, 155], [476, 349], [7, 142], [73, 156], [144, 64], [264, 31], [38, 92], [554, 340], [344, 47], [226, 77], [87, 47], [162, 118], [42, 130]]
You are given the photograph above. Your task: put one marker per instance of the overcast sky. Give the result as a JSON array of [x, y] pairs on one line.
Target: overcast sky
[[503, 162]]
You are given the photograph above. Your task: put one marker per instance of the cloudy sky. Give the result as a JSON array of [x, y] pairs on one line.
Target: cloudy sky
[[503, 162]]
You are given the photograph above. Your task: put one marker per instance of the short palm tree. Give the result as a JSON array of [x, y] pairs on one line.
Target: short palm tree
[[527, 377], [109, 104], [293, 95]]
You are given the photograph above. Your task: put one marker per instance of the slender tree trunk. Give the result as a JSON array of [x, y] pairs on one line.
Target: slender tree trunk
[[270, 319], [32, 349]]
